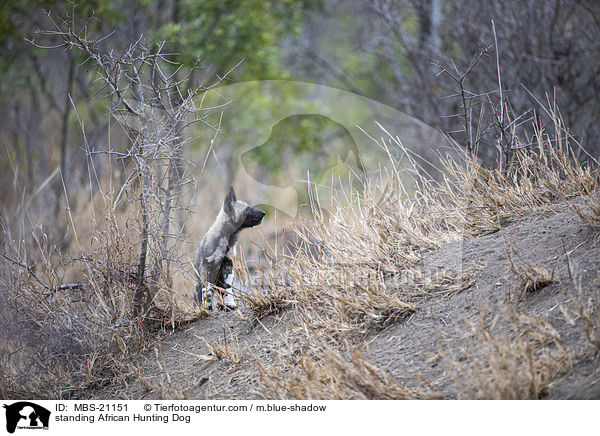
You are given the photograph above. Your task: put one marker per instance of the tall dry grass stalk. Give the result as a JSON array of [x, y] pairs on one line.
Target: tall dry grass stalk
[[590, 319]]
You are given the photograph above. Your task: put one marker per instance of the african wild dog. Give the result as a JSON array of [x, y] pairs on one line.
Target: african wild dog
[[213, 265]]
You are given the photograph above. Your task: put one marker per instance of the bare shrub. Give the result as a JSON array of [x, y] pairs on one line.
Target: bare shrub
[[154, 102], [399, 58], [70, 337]]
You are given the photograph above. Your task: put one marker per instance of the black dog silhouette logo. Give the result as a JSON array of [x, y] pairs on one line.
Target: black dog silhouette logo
[[26, 415]]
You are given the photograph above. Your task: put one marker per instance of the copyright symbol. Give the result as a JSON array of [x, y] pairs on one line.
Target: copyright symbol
[[147, 407]]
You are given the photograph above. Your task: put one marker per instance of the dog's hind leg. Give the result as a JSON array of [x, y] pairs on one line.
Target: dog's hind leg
[[224, 281]]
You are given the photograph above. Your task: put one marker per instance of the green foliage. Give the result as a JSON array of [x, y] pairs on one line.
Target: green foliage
[[218, 34], [221, 33], [16, 22], [315, 142]]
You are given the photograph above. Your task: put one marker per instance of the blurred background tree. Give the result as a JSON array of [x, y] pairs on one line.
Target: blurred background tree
[[383, 49], [388, 50], [40, 89], [222, 33]]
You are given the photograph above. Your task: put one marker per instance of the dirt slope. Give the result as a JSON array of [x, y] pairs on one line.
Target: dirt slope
[[182, 365]]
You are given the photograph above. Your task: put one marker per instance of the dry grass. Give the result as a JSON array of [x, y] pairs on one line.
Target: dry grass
[[348, 278], [69, 313], [539, 176], [229, 349], [261, 304], [528, 276], [591, 213], [585, 313], [163, 384], [513, 357], [336, 297], [441, 282], [590, 319], [268, 294], [327, 373], [345, 280]]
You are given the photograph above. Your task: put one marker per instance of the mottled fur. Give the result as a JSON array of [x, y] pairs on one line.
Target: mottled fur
[[213, 262]]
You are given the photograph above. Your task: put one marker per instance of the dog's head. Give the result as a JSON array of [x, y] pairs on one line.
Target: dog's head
[[239, 213]]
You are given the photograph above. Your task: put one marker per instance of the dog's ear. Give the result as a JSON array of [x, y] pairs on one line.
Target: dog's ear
[[228, 203]]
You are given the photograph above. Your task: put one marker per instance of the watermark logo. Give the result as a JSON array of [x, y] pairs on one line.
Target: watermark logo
[[284, 139], [302, 149], [26, 415]]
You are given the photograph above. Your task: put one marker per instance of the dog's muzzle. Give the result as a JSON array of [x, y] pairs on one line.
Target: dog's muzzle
[[253, 218]]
